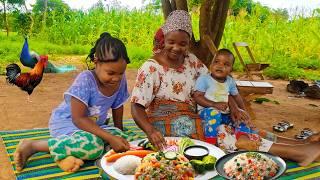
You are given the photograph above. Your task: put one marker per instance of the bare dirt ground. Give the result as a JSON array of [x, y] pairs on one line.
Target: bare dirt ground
[[16, 113]]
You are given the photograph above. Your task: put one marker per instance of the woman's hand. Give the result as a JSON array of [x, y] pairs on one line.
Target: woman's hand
[[119, 144], [221, 106], [140, 117], [238, 116], [156, 138]]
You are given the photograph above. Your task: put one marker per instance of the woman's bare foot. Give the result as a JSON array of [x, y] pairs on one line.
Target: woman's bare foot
[[314, 138], [244, 143], [23, 152], [311, 152], [70, 164]]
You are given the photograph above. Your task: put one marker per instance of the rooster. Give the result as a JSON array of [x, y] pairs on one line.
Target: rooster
[[26, 81]]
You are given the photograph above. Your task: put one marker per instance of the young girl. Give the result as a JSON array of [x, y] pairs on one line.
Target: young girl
[[78, 125]]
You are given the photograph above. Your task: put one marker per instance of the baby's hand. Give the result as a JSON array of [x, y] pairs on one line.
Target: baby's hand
[[119, 144], [221, 106]]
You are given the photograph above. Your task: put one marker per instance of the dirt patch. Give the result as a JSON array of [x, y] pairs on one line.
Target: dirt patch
[[17, 113]]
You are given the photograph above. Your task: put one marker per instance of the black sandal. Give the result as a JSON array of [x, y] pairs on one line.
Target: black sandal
[[282, 126]]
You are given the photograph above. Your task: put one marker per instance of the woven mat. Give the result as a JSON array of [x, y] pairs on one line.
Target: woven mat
[[42, 166]]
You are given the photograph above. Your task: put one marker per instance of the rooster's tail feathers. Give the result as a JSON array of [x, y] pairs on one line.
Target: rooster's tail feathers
[[13, 71]]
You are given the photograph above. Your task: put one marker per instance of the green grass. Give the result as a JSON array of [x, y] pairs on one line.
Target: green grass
[[291, 47]]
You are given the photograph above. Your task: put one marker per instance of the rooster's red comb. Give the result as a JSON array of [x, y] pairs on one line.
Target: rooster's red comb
[[44, 57]]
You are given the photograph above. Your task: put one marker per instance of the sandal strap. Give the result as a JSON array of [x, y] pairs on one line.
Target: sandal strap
[[307, 131], [284, 122], [279, 128], [300, 136]]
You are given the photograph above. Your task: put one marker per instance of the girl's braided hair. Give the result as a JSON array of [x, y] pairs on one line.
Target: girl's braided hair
[[108, 48]]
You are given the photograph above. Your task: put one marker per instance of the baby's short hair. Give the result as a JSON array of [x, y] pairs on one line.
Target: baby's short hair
[[225, 52]]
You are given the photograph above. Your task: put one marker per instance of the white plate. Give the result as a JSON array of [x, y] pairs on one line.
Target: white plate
[[213, 150]]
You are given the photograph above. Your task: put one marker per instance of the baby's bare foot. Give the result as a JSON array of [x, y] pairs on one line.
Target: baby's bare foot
[[23, 152], [70, 164]]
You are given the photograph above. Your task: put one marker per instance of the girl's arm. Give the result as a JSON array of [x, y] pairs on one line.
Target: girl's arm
[[117, 116], [198, 96], [140, 117], [82, 121]]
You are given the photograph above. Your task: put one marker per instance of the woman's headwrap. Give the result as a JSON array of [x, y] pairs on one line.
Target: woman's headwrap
[[177, 20]]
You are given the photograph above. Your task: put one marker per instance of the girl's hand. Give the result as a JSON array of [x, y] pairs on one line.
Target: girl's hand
[[156, 138], [119, 144]]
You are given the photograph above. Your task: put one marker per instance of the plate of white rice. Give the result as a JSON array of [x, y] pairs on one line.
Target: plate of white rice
[[109, 167], [246, 165]]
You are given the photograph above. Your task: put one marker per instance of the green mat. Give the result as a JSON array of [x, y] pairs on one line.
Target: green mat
[[42, 166]]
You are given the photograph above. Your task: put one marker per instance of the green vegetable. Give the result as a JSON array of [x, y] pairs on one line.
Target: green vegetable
[[159, 155], [150, 147], [198, 165], [261, 100], [141, 143], [184, 143], [147, 145], [209, 162], [170, 155]]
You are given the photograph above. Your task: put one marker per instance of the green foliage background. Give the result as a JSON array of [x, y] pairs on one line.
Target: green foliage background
[[290, 45]]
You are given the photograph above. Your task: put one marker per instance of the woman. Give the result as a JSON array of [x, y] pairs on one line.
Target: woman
[[162, 101]]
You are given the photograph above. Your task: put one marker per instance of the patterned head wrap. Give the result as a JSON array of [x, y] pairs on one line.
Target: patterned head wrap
[[177, 20]]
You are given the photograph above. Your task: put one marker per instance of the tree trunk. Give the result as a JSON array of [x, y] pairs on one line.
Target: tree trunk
[[5, 17], [170, 5], [44, 18], [166, 8], [213, 15], [181, 5]]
